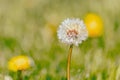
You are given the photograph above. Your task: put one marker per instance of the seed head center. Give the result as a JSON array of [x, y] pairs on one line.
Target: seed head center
[[72, 33]]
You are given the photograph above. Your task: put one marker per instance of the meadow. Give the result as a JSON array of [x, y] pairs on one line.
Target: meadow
[[29, 27]]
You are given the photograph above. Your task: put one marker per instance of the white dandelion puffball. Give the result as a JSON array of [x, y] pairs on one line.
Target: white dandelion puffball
[[72, 31]]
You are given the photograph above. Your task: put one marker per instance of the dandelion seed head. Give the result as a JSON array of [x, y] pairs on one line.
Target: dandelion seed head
[[72, 31]]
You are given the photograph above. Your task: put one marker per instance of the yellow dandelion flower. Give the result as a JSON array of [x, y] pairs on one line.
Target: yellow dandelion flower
[[94, 25], [19, 63]]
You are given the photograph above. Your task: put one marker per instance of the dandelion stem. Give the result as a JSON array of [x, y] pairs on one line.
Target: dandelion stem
[[19, 75], [69, 61]]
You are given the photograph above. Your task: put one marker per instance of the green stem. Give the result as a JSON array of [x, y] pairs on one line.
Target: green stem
[[19, 75], [69, 61]]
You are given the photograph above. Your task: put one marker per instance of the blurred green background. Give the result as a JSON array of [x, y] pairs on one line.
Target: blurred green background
[[28, 27]]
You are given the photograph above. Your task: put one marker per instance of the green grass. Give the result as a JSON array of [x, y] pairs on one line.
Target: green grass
[[28, 27]]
